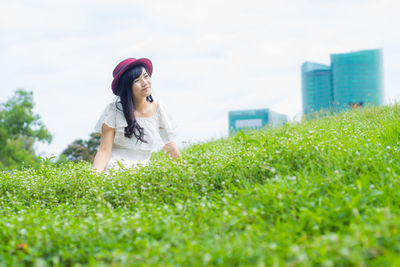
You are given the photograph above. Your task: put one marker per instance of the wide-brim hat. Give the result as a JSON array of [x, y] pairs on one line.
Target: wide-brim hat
[[127, 64]]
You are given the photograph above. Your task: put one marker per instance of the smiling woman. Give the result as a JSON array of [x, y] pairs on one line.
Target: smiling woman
[[135, 125]]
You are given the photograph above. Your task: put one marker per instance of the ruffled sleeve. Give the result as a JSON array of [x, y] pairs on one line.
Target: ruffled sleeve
[[108, 117], [167, 125]]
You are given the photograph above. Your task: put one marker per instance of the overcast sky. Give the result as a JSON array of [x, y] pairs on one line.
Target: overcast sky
[[209, 56]]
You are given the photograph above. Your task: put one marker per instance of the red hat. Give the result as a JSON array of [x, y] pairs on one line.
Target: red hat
[[127, 64]]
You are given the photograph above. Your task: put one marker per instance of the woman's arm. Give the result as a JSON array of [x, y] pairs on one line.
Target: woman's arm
[[172, 150], [104, 152]]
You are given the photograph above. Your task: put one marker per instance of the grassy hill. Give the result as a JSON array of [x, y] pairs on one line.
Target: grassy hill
[[322, 192]]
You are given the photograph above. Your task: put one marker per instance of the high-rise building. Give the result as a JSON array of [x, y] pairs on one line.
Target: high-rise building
[[357, 79], [353, 79], [316, 87]]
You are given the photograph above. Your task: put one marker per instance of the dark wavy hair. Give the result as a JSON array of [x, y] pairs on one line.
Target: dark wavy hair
[[124, 91]]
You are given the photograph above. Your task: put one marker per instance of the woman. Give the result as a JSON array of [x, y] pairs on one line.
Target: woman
[[134, 126]]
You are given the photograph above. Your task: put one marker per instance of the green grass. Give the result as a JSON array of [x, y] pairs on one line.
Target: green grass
[[323, 192]]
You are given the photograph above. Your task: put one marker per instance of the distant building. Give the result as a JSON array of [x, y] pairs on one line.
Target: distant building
[[254, 119], [316, 87], [353, 79]]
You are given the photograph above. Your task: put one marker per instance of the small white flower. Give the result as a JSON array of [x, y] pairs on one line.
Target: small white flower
[[345, 252], [295, 248], [371, 186], [207, 258], [328, 263], [333, 237], [179, 206]]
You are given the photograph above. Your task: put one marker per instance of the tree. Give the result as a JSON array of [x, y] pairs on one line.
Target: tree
[[20, 130], [82, 149]]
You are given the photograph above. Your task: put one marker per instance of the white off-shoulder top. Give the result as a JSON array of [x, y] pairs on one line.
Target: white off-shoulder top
[[159, 129]]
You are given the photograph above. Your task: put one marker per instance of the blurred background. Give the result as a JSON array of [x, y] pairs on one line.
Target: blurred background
[[210, 56]]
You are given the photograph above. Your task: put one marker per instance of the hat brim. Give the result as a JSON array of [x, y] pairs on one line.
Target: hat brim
[[141, 61]]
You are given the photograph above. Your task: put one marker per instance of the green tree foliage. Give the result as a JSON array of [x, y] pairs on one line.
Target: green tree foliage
[[20, 129], [82, 150]]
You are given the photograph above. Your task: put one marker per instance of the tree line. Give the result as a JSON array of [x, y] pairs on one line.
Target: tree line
[[21, 129]]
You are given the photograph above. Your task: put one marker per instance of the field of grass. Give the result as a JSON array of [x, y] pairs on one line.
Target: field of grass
[[324, 192]]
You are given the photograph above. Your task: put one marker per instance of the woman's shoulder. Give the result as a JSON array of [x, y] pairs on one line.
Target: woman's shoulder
[[165, 116], [157, 106], [113, 110], [160, 109], [113, 107], [108, 117], [161, 106]]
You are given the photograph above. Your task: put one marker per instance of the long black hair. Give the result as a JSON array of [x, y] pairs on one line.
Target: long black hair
[[124, 91]]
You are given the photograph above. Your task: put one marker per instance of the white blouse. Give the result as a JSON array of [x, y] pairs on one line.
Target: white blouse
[[159, 129]]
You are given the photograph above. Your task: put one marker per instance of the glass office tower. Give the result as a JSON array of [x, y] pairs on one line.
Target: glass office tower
[[316, 87], [357, 79], [353, 79]]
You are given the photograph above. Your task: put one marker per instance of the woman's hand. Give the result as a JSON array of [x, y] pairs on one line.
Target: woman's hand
[[171, 149]]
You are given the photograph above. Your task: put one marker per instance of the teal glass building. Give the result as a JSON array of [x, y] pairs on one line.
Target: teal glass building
[[353, 79], [254, 119], [316, 86], [357, 79]]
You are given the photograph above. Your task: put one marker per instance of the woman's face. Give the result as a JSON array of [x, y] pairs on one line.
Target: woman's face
[[141, 86]]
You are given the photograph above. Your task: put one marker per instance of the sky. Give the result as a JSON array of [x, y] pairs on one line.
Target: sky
[[209, 56]]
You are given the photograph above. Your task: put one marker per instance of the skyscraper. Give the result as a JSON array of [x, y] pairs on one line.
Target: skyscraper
[[353, 79], [316, 87], [357, 79]]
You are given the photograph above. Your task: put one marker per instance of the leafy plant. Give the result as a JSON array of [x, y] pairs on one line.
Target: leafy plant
[[322, 192]]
